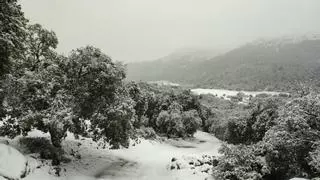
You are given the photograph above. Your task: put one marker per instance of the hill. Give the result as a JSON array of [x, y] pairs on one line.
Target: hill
[[277, 64]]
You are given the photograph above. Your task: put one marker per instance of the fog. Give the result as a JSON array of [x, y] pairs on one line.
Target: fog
[[139, 30]]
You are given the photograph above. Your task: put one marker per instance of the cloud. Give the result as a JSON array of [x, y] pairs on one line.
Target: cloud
[[134, 30]]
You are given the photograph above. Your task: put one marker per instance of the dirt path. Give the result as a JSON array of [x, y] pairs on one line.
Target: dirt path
[[149, 160]]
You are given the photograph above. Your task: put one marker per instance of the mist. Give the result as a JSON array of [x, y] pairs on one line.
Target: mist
[[143, 30]]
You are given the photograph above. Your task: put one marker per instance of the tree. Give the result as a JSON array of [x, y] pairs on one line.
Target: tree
[[114, 122], [39, 47], [141, 102], [96, 84], [240, 162], [34, 102], [93, 79], [12, 33], [292, 142], [191, 121]]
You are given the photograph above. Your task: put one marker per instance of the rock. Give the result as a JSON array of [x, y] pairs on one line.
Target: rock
[[202, 164], [12, 163]]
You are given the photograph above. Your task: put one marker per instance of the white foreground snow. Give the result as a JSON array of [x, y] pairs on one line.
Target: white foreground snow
[[146, 160], [12, 162], [152, 158]]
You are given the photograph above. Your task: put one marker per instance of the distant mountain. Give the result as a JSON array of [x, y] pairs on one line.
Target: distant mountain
[[171, 67], [276, 64]]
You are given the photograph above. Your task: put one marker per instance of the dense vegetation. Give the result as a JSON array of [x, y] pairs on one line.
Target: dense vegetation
[[277, 64], [84, 92], [270, 138]]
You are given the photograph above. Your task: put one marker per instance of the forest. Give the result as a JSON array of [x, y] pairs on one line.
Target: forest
[[86, 93]]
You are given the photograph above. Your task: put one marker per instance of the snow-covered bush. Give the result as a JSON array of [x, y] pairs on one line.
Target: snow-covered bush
[[146, 132], [315, 159], [292, 143], [170, 122], [191, 121], [240, 162]]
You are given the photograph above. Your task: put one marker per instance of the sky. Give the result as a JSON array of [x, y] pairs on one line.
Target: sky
[[140, 30]]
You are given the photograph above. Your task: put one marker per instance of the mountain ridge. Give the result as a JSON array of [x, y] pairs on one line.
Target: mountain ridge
[[275, 64]]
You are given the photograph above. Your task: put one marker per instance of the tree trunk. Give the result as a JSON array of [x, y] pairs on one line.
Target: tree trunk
[[57, 132]]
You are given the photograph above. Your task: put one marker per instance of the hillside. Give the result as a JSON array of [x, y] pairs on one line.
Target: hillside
[[277, 64], [171, 67]]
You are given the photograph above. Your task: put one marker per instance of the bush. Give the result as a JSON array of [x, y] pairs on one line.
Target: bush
[[44, 148], [146, 132], [240, 162], [314, 159], [35, 144], [292, 142], [191, 121], [170, 124]]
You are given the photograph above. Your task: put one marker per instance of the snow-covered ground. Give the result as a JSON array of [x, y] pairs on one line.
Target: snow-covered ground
[[226, 93], [148, 159], [12, 162]]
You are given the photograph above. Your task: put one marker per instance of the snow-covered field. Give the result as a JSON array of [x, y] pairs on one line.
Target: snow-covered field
[[225, 93], [145, 160]]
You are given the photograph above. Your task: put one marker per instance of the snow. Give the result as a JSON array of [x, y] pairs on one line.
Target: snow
[[12, 162], [153, 158], [148, 159], [164, 83], [225, 94]]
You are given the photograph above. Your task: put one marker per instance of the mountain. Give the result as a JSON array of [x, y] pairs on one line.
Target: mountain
[[276, 64], [171, 67]]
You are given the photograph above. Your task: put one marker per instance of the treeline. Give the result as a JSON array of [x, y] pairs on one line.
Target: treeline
[[270, 138], [84, 93]]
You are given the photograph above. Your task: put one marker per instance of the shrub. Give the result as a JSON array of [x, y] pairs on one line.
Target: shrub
[[35, 144], [191, 121], [146, 132], [314, 159], [240, 162]]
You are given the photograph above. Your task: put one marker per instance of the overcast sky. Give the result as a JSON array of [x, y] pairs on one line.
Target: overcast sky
[[136, 30]]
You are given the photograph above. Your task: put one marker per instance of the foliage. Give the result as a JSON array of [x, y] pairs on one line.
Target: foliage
[[141, 99], [251, 125], [92, 79], [114, 123], [239, 163], [283, 132], [12, 33], [191, 121], [291, 141], [39, 51], [314, 158]]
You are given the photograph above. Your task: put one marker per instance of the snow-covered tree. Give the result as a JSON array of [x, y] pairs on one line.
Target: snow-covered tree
[[93, 79], [12, 33], [40, 44]]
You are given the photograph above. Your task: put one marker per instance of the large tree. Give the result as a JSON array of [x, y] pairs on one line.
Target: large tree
[[39, 47], [12, 33]]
